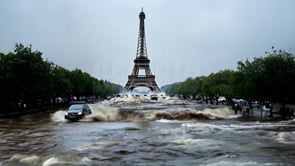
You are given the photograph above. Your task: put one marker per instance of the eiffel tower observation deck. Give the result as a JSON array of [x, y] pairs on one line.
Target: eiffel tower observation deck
[[141, 74]]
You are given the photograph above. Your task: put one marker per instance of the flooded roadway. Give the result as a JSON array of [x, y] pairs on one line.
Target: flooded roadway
[[138, 131]]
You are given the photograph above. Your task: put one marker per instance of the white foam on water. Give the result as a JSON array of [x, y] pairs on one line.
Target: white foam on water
[[174, 132], [127, 99], [103, 113], [174, 101], [239, 127], [17, 157], [240, 163], [139, 99], [200, 144], [51, 161], [67, 161], [97, 145], [58, 116], [223, 112], [168, 121], [207, 127], [284, 137], [187, 141], [33, 159], [85, 160]]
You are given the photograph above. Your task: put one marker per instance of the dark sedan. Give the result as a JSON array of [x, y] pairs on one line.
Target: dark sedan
[[77, 111]]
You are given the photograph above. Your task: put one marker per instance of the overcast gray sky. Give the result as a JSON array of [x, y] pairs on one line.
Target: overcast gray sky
[[185, 38]]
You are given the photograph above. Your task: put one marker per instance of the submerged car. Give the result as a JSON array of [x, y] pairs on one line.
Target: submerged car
[[77, 112]]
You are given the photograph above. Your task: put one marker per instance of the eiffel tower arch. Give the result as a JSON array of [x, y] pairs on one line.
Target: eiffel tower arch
[[141, 74]]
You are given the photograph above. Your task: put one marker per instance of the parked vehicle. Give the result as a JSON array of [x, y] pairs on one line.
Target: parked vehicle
[[77, 112]]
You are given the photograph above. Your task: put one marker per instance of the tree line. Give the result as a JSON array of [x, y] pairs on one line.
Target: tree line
[[269, 78], [25, 77]]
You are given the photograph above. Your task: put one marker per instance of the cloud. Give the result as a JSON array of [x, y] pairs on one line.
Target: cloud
[[184, 39]]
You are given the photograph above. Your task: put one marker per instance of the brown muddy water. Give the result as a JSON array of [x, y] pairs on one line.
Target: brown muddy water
[[138, 131]]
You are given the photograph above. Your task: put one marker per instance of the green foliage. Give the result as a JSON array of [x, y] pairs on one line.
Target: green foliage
[[218, 83], [212, 85], [266, 78], [269, 78], [189, 87], [25, 76]]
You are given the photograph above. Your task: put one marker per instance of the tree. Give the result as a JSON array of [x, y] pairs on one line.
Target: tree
[[270, 78], [188, 87], [218, 84], [61, 81], [26, 78]]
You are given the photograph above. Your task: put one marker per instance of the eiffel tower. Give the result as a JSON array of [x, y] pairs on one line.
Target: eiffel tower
[[141, 74]]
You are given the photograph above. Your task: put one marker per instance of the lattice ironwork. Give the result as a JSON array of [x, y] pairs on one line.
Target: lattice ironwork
[[141, 63]]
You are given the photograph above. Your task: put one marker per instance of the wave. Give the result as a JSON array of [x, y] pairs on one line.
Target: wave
[[58, 116], [222, 113], [25, 159], [284, 137], [48, 161], [221, 162], [107, 114], [138, 100], [104, 113], [51, 161], [97, 145], [188, 141], [207, 114]]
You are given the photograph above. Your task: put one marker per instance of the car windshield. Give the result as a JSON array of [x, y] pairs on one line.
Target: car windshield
[[76, 107]]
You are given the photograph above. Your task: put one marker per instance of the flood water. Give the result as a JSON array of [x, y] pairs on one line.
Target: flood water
[[138, 131]]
